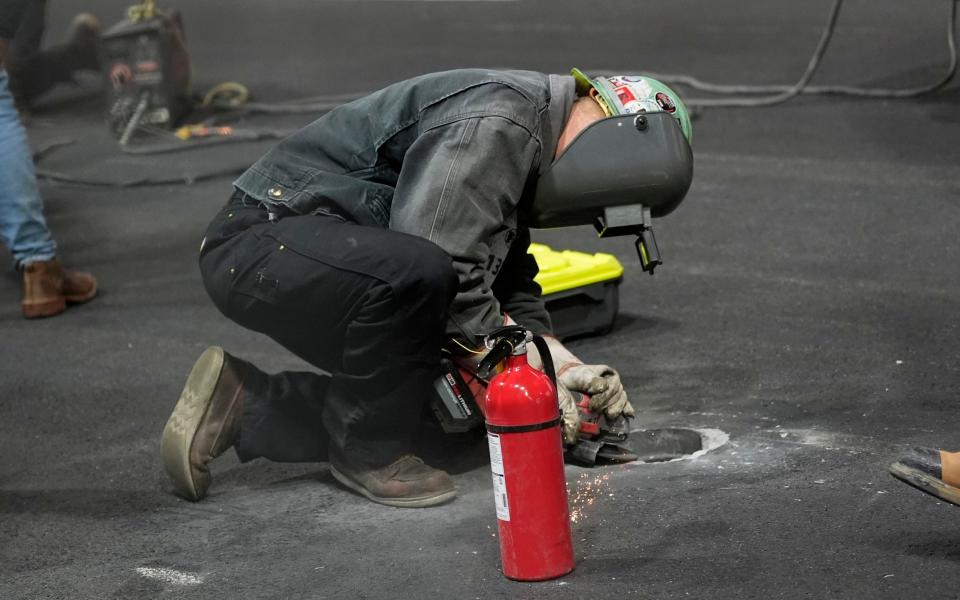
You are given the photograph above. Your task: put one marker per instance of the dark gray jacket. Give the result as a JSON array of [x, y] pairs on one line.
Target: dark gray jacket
[[448, 157]]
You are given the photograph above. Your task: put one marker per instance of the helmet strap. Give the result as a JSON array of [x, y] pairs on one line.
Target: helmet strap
[[603, 104]]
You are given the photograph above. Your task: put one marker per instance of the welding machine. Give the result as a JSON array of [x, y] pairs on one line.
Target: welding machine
[[147, 69]]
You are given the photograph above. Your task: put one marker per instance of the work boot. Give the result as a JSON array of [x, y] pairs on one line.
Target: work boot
[[83, 40], [48, 287], [930, 470], [407, 482], [205, 422]]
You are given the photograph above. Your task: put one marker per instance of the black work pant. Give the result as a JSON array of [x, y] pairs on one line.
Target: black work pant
[[33, 70], [367, 305]]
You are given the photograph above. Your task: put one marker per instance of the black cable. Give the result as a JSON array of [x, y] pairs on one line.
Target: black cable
[[185, 179], [793, 90], [178, 145], [784, 93]]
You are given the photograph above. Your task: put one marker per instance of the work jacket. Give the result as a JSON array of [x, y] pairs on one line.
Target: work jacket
[[452, 157]]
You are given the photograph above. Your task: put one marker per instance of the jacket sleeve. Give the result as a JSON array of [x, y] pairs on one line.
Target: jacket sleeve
[[519, 295], [459, 187]]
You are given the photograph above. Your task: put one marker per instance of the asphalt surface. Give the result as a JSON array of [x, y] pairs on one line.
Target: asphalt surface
[[807, 309]]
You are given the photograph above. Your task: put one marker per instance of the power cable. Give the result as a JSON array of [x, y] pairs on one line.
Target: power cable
[[238, 104], [184, 179], [783, 93]]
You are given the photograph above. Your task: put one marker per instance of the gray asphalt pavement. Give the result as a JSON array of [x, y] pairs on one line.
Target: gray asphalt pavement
[[807, 309]]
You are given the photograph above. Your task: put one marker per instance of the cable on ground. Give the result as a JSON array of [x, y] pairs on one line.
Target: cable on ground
[[783, 93]]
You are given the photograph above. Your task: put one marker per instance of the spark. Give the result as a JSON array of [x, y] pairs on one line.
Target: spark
[[585, 492]]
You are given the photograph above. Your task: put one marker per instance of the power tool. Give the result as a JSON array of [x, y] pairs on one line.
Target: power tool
[[460, 405]]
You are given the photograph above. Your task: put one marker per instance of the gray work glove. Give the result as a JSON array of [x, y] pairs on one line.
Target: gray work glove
[[599, 382], [570, 414], [602, 384]]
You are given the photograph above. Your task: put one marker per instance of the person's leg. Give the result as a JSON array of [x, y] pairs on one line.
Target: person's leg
[[228, 403], [374, 303], [931, 470], [47, 286], [34, 70], [367, 305], [23, 228]]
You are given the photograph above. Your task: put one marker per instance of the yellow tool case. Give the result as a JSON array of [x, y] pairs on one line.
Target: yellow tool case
[[581, 291]]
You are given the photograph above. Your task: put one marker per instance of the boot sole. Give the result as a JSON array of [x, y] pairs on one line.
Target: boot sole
[[36, 310], [181, 428], [418, 502], [52, 308], [926, 483]]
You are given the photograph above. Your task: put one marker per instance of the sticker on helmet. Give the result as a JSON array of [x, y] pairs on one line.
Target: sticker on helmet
[[625, 94], [634, 93], [666, 103]]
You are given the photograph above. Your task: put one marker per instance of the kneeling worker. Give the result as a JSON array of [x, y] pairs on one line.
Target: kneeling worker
[[365, 242]]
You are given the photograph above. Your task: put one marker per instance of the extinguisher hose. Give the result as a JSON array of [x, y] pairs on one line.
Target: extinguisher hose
[[541, 345]]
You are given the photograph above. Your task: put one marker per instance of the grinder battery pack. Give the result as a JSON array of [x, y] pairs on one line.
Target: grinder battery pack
[[148, 71]]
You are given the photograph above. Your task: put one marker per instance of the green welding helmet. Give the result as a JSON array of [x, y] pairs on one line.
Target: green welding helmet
[[621, 171], [632, 94]]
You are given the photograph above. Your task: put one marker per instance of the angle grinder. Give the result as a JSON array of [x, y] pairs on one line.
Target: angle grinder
[[458, 406]]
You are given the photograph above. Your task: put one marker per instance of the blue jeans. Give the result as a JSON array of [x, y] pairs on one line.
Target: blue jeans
[[23, 229]]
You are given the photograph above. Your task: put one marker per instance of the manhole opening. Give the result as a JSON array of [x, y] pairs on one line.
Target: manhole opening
[[658, 445]]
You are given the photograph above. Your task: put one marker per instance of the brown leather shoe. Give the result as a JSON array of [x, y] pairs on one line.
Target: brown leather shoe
[[205, 422], [407, 482], [48, 287]]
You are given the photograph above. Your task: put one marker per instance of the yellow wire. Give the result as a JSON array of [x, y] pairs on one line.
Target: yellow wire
[[240, 93], [470, 350]]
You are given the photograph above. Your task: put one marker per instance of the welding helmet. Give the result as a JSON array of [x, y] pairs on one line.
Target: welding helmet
[[621, 171]]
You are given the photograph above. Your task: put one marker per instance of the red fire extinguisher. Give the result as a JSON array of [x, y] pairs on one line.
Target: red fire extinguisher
[[526, 458]]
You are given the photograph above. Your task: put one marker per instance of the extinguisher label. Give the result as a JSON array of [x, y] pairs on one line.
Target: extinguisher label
[[499, 481]]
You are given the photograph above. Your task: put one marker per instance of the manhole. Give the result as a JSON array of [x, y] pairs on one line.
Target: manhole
[[659, 445], [647, 446]]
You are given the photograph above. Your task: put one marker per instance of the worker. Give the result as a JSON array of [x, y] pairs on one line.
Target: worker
[[367, 241], [35, 68], [48, 288]]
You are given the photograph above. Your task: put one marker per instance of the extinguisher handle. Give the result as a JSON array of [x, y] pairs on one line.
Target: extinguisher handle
[[541, 345], [500, 350], [501, 343]]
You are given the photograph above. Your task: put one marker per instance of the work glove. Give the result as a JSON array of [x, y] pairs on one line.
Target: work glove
[[600, 383]]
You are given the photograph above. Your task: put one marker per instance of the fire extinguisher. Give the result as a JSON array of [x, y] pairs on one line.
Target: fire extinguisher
[[526, 458]]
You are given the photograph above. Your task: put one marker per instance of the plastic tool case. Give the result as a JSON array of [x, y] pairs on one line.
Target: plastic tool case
[[581, 291]]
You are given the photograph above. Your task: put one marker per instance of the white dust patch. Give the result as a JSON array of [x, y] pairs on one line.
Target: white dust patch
[[828, 440], [170, 576], [712, 439]]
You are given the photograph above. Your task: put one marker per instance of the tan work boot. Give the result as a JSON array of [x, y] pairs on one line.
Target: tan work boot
[[48, 287], [205, 422], [407, 482]]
